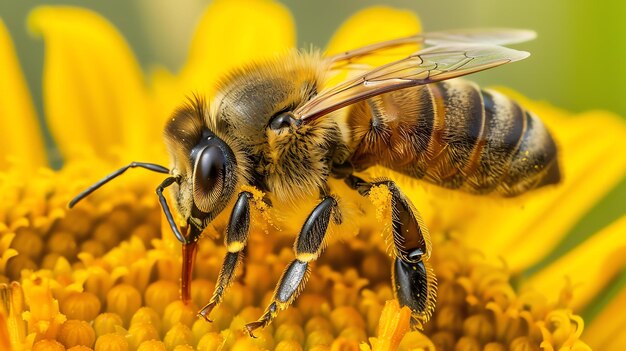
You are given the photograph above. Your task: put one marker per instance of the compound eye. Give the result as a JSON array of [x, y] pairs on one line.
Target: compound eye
[[210, 170]]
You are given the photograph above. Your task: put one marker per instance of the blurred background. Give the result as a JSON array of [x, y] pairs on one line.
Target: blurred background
[[577, 63], [577, 60]]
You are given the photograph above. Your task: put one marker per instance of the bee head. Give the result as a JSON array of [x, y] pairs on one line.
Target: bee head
[[203, 178], [204, 166]]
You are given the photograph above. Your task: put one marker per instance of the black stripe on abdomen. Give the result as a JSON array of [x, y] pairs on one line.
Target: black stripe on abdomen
[[461, 134], [534, 163], [505, 124]]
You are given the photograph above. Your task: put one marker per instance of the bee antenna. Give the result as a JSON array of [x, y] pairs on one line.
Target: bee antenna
[[166, 209], [149, 166]]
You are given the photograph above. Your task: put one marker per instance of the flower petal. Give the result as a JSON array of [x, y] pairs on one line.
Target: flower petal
[[591, 169], [394, 323], [606, 330], [229, 35], [372, 25], [21, 143], [590, 266], [93, 90], [263, 28]]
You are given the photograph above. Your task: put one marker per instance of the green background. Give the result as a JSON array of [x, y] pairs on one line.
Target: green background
[[578, 61]]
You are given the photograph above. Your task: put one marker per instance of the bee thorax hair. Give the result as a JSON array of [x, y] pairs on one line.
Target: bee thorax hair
[[298, 163]]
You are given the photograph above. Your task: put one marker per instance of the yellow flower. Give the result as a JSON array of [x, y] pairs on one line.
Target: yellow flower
[[105, 275]]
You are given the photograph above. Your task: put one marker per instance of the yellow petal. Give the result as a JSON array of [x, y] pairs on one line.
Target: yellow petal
[[589, 267], [92, 86], [394, 323], [21, 141], [590, 169], [372, 25], [11, 310], [5, 342], [526, 229], [606, 331], [230, 33]]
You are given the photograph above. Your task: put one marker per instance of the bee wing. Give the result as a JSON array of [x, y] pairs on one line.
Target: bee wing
[[430, 65], [492, 36]]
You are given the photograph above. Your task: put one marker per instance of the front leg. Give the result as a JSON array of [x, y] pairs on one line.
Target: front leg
[[307, 248], [235, 240], [414, 282]]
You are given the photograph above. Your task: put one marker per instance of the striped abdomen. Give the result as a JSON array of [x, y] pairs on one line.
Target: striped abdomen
[[455, 135]]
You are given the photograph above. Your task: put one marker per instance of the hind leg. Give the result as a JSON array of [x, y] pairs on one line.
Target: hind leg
[[414, 283]]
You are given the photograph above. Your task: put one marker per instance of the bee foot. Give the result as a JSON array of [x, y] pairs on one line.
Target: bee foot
[[251, 327], [204, 317], [206, 310]]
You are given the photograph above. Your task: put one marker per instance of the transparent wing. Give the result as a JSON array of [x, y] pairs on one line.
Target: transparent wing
[[492, 36], [430, 65]]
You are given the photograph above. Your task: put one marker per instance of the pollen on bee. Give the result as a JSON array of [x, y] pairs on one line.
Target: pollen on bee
[[380, 198], [235, 246], [307, 257]]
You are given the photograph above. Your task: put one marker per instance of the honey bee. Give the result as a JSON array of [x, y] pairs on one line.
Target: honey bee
[[275, 126]]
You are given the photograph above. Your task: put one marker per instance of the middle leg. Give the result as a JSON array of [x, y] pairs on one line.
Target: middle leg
[[307, 248]]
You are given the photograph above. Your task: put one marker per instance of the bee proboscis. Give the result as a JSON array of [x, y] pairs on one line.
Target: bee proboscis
[[276, 127]]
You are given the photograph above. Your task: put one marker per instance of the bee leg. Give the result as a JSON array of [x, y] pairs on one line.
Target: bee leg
[[244, 270], [414, 282], [415, 286], [235, 240], [307, 248]]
